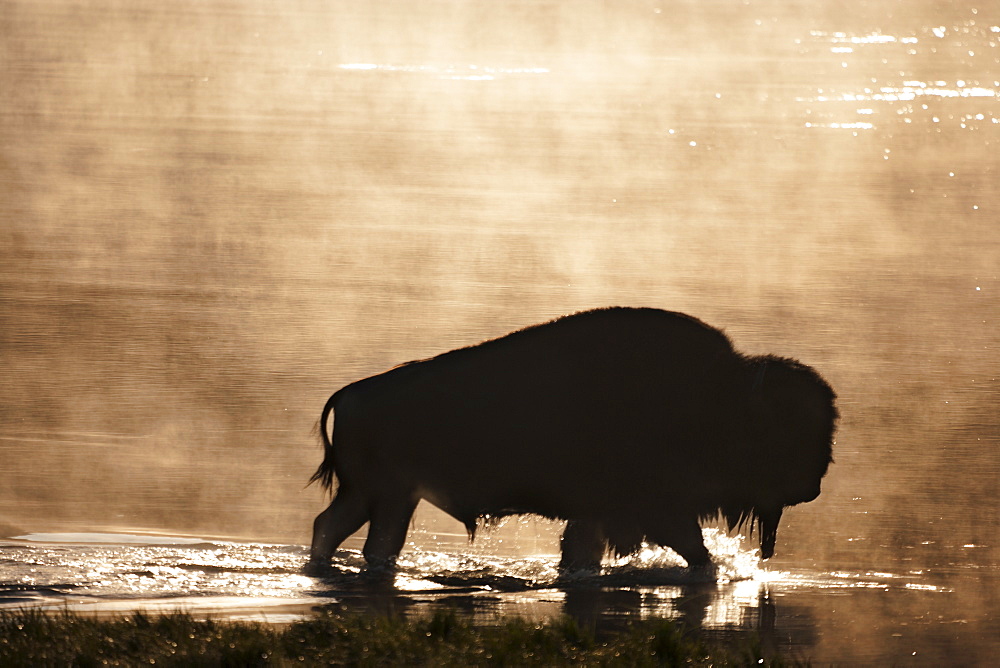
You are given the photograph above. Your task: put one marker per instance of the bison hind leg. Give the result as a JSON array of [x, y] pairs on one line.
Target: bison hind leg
[[583, 545], [346, 514], [390, 521]]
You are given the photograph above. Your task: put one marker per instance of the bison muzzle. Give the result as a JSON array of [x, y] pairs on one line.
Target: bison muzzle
[[633, 424]]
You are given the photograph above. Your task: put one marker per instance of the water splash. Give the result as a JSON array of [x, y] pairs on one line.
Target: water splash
[[655, 564]]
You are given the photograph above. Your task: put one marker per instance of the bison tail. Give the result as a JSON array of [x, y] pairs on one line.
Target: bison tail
[[324, 474]]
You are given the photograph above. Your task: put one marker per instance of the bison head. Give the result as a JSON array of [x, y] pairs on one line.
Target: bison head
[[784, 444]]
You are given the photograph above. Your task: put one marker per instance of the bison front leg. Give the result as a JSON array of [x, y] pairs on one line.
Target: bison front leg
[[346, 514], [582, 545], [390, 520]]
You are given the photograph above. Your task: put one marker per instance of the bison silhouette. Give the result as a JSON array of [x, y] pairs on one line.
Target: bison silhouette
[[631, 423]]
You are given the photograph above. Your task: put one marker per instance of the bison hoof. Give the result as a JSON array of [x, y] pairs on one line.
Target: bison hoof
[[377, 566], [316, 567], [566, 574], [579, 569], [704, 572]]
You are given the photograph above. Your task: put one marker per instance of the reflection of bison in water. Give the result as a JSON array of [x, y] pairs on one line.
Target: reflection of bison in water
[[633, 424]]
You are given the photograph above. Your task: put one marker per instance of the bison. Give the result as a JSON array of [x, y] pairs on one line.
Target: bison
[[632, 424]]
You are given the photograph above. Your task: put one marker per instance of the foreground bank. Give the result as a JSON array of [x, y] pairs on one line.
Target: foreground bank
[[33, 638]]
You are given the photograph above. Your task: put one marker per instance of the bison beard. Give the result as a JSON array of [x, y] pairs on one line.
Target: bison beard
[[632, 424]]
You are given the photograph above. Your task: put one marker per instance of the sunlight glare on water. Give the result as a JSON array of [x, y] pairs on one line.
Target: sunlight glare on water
[[894, 94], [85, 567], [85, 570]]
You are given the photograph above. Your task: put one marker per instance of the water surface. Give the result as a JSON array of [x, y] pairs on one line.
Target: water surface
[[800, 613]]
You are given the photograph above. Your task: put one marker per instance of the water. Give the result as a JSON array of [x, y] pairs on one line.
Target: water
[[802, 613], [109, 572], [215, 214]]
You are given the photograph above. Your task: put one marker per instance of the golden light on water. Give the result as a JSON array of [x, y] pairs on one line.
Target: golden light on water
[[766, 575], [407, 583], [889, 95]]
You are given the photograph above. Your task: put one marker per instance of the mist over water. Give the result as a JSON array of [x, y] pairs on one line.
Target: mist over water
[[216, 214]]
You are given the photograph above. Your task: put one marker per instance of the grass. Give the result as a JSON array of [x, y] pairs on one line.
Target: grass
[[33, 638]]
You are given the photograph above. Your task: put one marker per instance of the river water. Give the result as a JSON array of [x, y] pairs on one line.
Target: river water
[[214, 214]]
